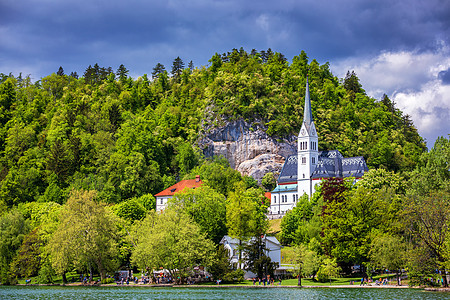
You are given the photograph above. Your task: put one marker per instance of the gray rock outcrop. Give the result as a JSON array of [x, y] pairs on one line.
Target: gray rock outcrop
[[248, 148]]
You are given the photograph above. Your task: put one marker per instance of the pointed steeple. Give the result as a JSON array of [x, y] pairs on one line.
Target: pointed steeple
[[307, 116]]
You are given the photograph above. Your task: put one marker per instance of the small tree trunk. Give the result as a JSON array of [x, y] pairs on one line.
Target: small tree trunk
[[299, 283], [240, 254], [102, 274], [91, 275], [64, 278], [399, 274], [444, 279]]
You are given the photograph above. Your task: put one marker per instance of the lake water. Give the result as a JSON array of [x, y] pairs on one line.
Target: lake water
[[136, 293]]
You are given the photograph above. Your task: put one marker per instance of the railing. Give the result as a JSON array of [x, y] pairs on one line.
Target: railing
[[274, 216]]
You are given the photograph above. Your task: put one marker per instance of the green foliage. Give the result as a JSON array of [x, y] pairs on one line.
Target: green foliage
[[257, 259], [107, 280], [207, 208], [427, 219], [217, 174], [28, 260], [86, 236], [220, 264], [328, 269], [147, 201], [234, 276], [269, 182], [130, 210], [433, 171], [13, 229], [350, 223], [380, 178], [129, 138], [389, 252], [172, 241], [46, 272], [306, 262], [295, 220], [246, 213]]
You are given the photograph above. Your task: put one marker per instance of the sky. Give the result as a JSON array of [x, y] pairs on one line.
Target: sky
[[397, 48]]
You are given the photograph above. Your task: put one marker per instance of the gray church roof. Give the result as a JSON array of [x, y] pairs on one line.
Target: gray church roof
[[330, 164], [289, 171]]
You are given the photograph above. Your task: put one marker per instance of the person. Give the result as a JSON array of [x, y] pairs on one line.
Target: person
[[280, 280], [362, 281], [254, 280]]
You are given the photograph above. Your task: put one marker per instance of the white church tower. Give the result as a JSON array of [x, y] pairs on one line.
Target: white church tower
[[307, 149]]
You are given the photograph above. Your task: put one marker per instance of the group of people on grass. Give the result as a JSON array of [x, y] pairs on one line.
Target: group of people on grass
[[266, 280], [379, 281]]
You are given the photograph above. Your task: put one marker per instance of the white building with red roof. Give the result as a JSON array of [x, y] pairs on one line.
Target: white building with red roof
[[165, 195]]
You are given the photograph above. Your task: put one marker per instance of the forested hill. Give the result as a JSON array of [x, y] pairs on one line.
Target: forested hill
[[127, 137]]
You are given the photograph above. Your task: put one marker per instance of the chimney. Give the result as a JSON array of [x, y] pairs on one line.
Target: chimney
[[197, 178]]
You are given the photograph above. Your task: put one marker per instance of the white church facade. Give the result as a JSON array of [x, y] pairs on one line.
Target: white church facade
[[301, 172]]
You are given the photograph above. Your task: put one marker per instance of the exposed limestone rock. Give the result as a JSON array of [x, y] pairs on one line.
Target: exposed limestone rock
[[248, 148]]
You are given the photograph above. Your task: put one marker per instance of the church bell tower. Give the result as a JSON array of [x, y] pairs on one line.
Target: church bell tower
[[307, 150]]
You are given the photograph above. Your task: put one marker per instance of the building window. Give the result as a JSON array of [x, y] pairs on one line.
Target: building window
[[303, 175], [293, 198], [161, 201], [313, 160], [303, 160], [275, 199]]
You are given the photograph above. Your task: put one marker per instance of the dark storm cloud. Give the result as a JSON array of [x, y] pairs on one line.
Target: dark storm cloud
[[141, 33]]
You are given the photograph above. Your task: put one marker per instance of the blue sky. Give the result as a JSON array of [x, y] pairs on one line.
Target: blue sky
[[400, 48]]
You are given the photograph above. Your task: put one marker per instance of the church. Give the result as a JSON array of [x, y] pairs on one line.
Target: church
[[301, 172]]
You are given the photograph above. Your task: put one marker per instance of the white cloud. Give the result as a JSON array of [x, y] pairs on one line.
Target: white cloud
[[263, 22], [410, 79]]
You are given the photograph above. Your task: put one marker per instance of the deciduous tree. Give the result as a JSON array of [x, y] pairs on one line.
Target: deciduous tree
[[172, 241], [86, 236], [207, 208]]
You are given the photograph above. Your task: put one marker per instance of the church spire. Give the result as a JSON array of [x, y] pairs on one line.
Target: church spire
[[307, 116]]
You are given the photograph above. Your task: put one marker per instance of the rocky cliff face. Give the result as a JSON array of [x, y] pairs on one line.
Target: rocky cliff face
[[248, 148]]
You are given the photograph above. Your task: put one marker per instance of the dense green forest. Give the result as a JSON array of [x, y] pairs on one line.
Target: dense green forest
[[102, 144], [128, 137]]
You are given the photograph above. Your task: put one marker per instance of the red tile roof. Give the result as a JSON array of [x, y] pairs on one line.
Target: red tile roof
[[179, 186]]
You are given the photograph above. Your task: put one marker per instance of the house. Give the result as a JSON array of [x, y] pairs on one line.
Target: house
[[304, 170], [272, 245], [165, 195]]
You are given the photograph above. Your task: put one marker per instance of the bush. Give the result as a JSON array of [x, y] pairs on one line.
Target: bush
[[107, 280], [322, 276], [234, 276]]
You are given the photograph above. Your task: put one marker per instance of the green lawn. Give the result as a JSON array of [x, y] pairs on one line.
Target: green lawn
[[57, 279]]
